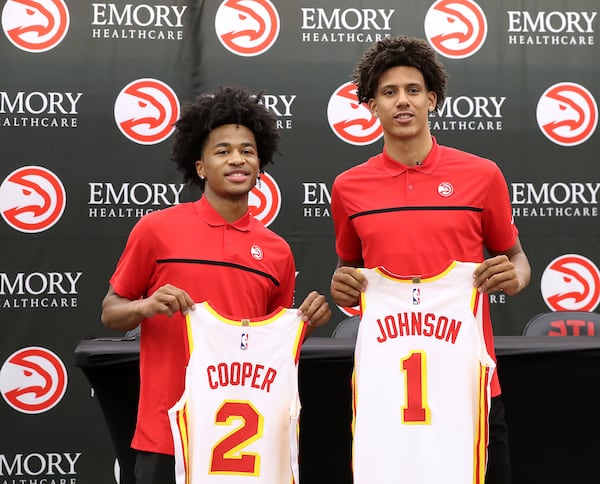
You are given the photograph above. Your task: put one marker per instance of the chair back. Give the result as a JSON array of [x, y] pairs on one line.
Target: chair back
[[347, 328], [563, 323], [134, 333]]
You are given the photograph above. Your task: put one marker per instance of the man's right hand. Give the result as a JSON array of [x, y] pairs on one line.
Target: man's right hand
[[346, 285]]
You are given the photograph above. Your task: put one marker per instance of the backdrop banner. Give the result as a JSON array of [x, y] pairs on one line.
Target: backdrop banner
[[89, 92]]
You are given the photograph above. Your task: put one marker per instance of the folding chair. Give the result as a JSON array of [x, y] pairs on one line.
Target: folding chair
[[347, 328]]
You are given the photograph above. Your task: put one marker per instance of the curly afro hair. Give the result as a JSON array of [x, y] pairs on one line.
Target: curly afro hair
[[226, 105], [399, 51]]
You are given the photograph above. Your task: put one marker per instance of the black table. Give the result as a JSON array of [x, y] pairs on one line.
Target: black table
[[552, 405]]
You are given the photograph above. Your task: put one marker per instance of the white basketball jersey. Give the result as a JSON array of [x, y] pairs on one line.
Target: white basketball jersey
[[421, 380], [238, 416]]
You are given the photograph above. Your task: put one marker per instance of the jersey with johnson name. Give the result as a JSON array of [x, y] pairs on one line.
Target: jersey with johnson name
[[421, 380], [238, 418]]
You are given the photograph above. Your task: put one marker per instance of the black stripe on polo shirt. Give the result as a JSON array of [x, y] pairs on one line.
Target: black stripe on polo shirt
[[413, 209], [220, 263]]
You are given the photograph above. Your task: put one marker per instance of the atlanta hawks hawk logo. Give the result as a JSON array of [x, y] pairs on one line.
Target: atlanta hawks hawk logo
[[35, 26]]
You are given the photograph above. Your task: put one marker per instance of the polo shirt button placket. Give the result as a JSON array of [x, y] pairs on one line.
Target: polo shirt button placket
[[410, 188]]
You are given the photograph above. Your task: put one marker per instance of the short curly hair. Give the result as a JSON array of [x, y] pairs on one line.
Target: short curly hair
[[399, 51], [226, 105]]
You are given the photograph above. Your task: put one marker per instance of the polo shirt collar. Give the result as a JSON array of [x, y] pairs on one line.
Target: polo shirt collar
[[393, 168], [213, 218]]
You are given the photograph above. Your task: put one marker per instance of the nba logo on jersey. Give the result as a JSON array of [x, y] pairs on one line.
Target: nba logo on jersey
[[416, 295], [244, 341]]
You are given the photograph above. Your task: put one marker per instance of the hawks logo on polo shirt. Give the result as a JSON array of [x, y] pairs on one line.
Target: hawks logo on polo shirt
[[445, 189]]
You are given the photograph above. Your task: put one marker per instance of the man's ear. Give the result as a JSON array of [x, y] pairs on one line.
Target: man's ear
[[373, 107], [432, 101], [200, 168]]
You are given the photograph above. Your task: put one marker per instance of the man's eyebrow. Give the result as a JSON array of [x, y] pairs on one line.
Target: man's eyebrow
[[227, 143], [395, 85]]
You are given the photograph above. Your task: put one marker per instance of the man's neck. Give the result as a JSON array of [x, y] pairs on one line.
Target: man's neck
[[409, 152], [230, 210]]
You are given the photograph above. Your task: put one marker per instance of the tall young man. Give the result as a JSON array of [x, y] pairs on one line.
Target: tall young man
[[418, 205]]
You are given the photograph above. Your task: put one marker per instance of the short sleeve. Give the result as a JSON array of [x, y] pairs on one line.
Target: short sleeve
[[133, 272], [347, 242], [499, 231]]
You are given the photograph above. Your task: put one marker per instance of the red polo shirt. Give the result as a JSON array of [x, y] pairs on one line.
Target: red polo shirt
[[415, 220], [243, 269]]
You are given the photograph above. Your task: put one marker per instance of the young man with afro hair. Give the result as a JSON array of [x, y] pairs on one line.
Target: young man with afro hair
[[201, 251]]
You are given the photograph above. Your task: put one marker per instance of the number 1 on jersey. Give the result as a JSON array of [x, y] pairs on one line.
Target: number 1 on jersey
[[416, 410]]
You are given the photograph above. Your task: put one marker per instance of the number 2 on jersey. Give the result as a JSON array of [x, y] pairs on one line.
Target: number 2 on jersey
[[227, 454]]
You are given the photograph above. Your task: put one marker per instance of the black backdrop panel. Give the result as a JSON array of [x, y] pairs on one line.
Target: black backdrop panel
[[65, 66]]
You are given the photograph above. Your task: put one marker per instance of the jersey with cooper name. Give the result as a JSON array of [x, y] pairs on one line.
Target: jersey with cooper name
[[238, 419]]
